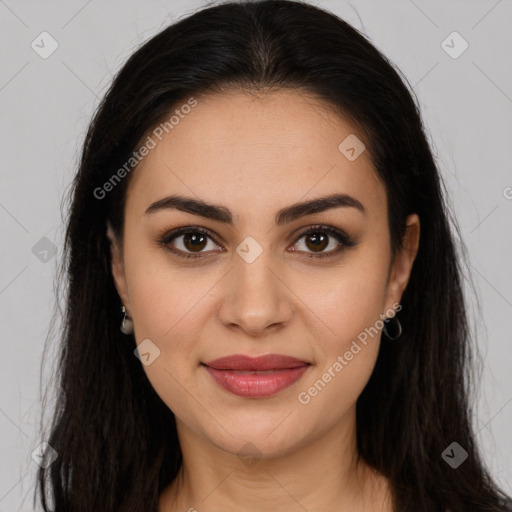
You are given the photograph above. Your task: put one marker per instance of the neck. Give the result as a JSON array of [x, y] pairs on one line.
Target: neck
[[323, 474]]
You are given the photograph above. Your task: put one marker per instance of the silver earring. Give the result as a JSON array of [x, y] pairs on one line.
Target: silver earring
[[127, 323], [397, 328]]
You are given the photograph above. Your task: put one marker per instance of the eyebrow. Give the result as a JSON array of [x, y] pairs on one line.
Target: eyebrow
[[222, 214]]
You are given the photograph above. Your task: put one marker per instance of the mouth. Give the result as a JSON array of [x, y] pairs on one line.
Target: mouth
[[256, 377]]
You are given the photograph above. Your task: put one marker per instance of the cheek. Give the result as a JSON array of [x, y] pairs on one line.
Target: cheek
[[348, 300], [351, 307], [167, 299], [356, 302], [166, 306], [347, 352], [163, 295]]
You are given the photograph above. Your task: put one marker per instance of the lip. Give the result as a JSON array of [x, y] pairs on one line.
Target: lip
[[256, 377]]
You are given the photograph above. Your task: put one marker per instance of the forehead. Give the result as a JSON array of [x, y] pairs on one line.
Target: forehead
[[241, 149]]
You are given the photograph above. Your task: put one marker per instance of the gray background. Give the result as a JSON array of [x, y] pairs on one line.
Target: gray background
[[46, 104]]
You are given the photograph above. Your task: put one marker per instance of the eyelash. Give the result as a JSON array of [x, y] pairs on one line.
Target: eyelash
[[345, 241]]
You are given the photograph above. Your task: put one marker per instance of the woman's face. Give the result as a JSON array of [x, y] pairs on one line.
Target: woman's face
[[255, 286]]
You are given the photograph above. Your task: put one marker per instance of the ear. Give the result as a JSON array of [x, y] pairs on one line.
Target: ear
[[404, 259], [117, 267]]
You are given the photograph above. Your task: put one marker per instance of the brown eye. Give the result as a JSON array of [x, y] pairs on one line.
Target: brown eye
[[317, 242], [318, 238], [189, 242], [194, 241]]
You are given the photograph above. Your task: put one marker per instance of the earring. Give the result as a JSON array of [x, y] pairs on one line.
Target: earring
[[127, 323], [398, 328]]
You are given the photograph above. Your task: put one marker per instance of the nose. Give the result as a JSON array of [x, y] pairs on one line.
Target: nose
[[255, 297]]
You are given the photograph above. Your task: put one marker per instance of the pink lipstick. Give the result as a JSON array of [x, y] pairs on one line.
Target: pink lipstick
[[256, 377]]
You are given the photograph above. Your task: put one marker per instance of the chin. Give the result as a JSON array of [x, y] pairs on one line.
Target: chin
[[256, 446], [259, 435]]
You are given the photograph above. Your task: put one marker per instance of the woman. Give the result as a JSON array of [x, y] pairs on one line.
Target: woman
[[254, 321]]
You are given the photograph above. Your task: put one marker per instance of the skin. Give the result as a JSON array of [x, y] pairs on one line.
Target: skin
[[256, 155]]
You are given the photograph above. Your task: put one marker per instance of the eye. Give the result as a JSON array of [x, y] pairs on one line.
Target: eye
[[190, 243], [318, 238]]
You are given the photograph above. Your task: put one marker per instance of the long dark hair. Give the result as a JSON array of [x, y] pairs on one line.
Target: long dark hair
[[115, 438]]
